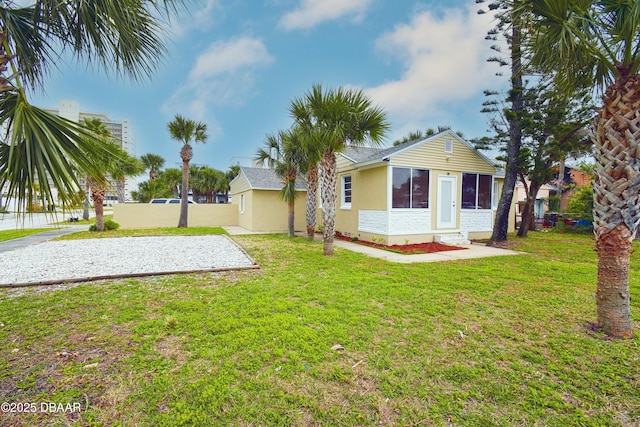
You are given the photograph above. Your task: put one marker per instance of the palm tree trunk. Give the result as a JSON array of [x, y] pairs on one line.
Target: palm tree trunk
[[184, 196], [120, 190], [291, 217], [328, 196], [312, 200], [612, 294], [187, 154], [97, 194], [616, 200]]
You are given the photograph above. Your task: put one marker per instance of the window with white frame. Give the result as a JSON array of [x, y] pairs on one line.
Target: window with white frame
[[410, 188], [346, 192], [242, 203], [476, 191]]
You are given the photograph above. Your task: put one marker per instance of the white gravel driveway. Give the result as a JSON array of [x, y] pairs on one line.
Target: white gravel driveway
[[90, 259]]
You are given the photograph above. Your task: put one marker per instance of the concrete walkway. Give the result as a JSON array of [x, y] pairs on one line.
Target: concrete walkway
[[475, 250], [22, 242]]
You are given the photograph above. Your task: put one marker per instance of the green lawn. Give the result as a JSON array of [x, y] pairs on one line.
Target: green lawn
[[18, 233], [500, 341]]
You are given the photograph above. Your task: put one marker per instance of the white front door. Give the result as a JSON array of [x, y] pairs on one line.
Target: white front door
[[447, 186]]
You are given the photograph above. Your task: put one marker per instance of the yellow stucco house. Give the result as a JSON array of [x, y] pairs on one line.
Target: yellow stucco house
[[260, 208], [438, 188]]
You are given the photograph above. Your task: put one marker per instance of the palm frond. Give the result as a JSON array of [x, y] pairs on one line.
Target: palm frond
[[187, 130], [124, 36], [42, 152]]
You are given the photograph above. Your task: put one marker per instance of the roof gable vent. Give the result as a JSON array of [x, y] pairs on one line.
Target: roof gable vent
[[448, 145]]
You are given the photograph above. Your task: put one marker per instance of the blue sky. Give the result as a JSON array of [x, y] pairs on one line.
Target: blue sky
[[236, 65]]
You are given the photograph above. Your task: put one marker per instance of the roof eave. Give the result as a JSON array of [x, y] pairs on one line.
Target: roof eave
[[372, 164]]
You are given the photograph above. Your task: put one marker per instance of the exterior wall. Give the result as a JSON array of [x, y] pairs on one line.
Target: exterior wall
[[239, 185], [245, 216], [372, 218], [342, 163], [264, 211], [146, 215], [431, 155], [368, 193]]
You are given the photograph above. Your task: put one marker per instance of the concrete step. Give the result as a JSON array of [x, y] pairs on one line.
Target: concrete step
[[452, 239]]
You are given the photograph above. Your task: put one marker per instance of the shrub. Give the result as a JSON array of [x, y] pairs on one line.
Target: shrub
[[582, 203], [561, 227], [108, 225], [553, 203], [34, 208]]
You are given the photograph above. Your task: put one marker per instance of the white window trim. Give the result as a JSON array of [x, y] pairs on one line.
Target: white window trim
[[343, 204], [495, 197], [242, 203]]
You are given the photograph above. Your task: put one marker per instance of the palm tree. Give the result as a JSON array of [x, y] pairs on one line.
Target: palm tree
[[39, 147], [222, 185], [284, 153], [148, 190], [96, 181], [597, 42], [171, 179], [337, 118], [205, 180], [153, 163], [233, 171], [129, 167], [309, 167], [186, 131], [117, 165]]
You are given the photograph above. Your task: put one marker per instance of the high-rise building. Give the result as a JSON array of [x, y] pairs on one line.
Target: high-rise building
[[121, 131]]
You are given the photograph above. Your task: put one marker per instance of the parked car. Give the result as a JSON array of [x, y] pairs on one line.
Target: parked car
[[168, 201]]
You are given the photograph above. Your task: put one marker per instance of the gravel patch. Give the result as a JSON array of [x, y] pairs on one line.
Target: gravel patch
[[89, 259]]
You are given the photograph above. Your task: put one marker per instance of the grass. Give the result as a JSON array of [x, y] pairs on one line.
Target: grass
[[18, 233], [487, 342]]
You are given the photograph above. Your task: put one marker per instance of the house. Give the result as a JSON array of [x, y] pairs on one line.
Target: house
[[438, 188], [579, 179], [256, 193], [541, 205]]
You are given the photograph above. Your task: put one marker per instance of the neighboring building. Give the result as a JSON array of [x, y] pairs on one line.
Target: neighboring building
[[121, 131], [577, 177], [541, 204], [438, 188]]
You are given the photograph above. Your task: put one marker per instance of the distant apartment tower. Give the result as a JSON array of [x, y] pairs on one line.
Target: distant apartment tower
[[121, 131]]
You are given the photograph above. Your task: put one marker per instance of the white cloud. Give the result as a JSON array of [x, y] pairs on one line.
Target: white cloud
[[311, 13], [444, 60], [204, 18], [229, 57], [223, 75]]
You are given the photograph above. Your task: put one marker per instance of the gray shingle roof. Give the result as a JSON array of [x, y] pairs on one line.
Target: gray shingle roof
[[266, 179], [359, 154]]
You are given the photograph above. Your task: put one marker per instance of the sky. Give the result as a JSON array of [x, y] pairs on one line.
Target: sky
[[236, 65]]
